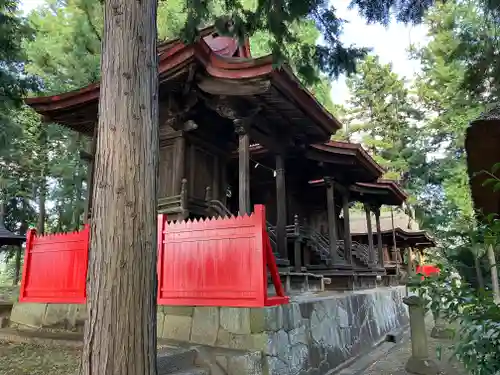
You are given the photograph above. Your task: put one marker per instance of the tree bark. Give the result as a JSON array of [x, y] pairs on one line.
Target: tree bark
[[42, 192], [78, 182], [479, 271], [494, 274], [22, 231], [120, 333]]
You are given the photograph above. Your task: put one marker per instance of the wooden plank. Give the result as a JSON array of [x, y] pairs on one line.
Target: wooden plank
[[347, 230], [281, 216], [371, 250], [90, 178], [216, 86], [179, 167], [332, 220], [244, 170], [379, 238]]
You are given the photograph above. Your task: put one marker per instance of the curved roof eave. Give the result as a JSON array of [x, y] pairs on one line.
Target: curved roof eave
[[363, 156], [390, 185], [177, 55]]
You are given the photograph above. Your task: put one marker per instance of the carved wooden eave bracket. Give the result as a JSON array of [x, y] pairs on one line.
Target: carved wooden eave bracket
[[177, 111]]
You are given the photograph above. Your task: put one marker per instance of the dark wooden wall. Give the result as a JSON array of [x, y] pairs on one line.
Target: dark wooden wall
[[184, 156], [171, 161], [205, 168]]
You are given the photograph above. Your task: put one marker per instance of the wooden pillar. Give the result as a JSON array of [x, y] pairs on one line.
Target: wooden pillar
[[371, 249], [347, 228], [394, 246], [332, 220], [297, 248], [281, 207], [379, 238], [90, 177], [244, 168]]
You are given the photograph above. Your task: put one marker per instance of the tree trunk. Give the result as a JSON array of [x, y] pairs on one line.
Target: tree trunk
[[479, 271], [120, 333], [42, 188], [78, 183], [494, 274], [22, 231]]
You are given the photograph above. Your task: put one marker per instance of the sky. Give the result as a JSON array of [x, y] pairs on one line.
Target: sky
[[389, 43]]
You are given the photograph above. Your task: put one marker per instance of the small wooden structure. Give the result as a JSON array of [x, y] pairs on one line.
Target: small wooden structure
[[237, 132], [397, 235], [7, 238]]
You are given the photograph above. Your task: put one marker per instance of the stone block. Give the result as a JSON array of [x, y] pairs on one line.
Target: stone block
[[235, 320], [160, 320], [257, 320], [221, 361], [222, 338], [77, 314], [59, 315], [298, 336], [177, 327], [292, 317], [274, 318], [28, 314], [279, 345], [276, 366], [248, 364], [205, 325], [298, 358], [257, 341], [178, 310]]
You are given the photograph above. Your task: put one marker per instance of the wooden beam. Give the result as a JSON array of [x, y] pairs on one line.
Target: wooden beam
[[244, 168], [179, 169], [379, 237], [371, 250], [347, 230], [330, 159], [332, 219], [368, 191], [217, 86], [90, 179], [281, 216]]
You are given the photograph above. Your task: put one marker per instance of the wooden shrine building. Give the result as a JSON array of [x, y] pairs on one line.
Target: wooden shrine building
[[398, 235], [236, 131]]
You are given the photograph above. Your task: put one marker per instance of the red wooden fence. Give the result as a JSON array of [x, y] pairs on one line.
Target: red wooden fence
[[55, 267], [217, 262], [213, 262]]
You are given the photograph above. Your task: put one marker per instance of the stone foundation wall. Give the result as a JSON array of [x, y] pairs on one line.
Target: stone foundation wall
[[49, 315], [311, 335]]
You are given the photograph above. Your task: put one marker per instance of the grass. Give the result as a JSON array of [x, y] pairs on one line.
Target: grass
[[9, 293], [35, 359]]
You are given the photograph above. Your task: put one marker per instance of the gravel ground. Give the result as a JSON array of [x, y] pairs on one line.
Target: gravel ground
[[31, 359], [393, 363]]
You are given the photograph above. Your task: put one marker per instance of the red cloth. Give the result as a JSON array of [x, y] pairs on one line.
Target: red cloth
[[427, 269]]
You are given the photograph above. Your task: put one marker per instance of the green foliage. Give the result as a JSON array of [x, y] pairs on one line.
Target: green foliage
[[476, 313], [14, 83], [383, 115]]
